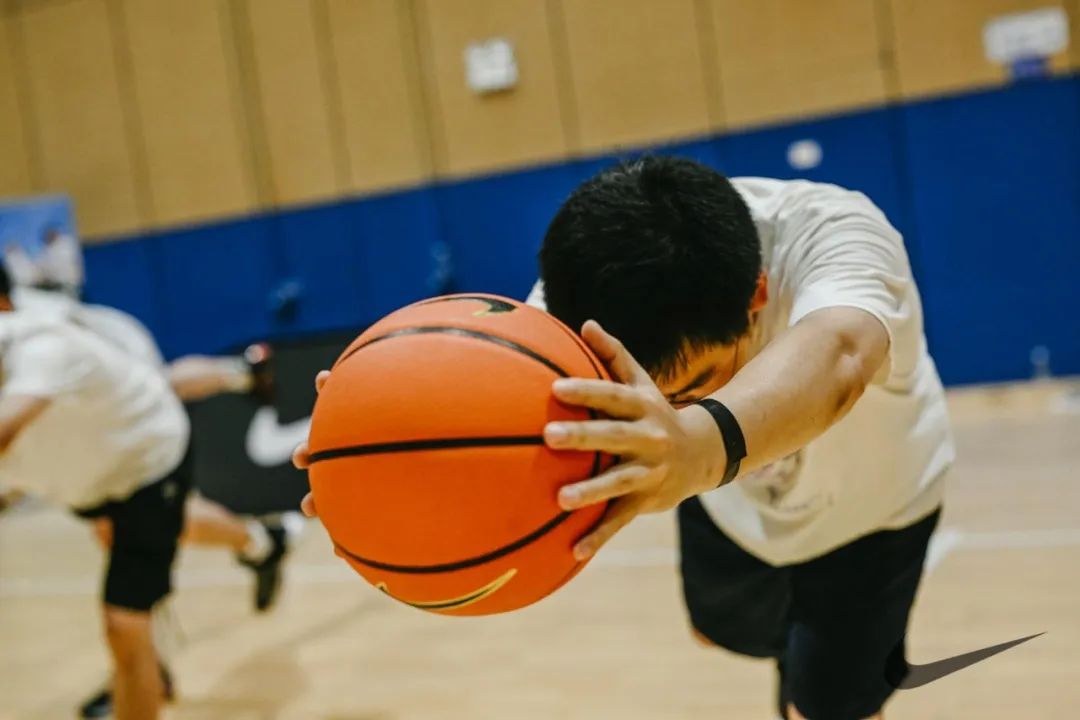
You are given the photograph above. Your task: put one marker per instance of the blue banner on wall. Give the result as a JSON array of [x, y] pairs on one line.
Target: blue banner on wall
[[23, 222]]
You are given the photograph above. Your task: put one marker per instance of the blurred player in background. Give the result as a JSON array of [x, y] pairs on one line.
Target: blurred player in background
[[87, 425], [260, 545]]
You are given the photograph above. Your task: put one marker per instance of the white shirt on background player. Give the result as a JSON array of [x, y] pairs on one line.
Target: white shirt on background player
[[113, 325], [113, 424], [883, 464], [61, 262]]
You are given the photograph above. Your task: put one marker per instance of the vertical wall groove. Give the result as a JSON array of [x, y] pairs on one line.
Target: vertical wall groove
[[31, 138], [335, 113], [886, 34], [247, 85], [564, 78], [710, 59], [429, 89], [129, 109], [241, 121], [413, 60]]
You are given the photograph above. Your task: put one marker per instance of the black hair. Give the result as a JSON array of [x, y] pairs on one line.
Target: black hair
[[662, 251]]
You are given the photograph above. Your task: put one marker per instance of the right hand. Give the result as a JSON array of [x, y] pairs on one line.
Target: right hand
[[300, 454]]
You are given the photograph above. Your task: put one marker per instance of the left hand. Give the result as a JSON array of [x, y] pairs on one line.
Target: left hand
[[667, 455]]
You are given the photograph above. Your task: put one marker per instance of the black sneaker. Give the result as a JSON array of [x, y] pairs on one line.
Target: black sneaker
[[268, 570], [100, 704]]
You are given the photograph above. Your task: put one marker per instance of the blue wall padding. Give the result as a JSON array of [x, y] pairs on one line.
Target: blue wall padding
[[320, 255], [402, 252], [859, 151], [995, 184], [703, 150], [493, 226], [125, 275], [985, 188], [216, 285]]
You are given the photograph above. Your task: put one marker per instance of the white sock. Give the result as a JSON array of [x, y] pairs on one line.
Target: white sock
[[259, 543], [294, 524]]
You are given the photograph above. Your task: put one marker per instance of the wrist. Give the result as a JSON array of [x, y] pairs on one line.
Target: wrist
[[707, 445], [238, 377]]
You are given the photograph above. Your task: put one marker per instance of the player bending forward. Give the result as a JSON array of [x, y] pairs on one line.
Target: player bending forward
[[775, 386], [259, 545], [92, 427]]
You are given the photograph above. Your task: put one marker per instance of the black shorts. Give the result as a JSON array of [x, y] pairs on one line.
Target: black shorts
[[146, 528], [836, 624]]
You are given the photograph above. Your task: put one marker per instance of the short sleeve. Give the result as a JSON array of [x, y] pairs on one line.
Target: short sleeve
[[536, 296], [857, 259], [43, 364]]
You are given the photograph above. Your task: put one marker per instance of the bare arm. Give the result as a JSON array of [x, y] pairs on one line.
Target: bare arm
[[195, 377], [16, 412], [805, 381], [802, 383]]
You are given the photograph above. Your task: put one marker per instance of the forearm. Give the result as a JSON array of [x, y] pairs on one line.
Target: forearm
[[195, 377], [803, 382]]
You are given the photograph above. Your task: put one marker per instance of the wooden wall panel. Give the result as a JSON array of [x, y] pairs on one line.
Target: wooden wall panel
[[1074, 10], [637, 71], [15, 175], [294, 104], [85, 144], [939, 45], [474, 133], [782, 59], [184, 76], [1074, 32], [378, 77]]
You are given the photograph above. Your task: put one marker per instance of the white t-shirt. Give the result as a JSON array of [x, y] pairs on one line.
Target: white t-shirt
[[882, 465], [115, 326], [113, 426], [62, 262]]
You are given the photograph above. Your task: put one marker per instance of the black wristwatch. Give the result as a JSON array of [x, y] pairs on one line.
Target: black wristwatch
[[734, 442]]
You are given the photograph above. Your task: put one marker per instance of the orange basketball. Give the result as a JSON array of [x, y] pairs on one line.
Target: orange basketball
[[428, 464]]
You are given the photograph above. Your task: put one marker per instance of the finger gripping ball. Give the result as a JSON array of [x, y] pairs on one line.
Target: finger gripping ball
[[428, 464]]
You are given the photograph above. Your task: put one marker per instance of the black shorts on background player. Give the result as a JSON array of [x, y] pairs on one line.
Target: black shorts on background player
[[146, 529], [833, 623]]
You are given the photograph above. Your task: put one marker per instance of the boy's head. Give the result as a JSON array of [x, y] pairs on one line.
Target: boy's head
[[664, 254]]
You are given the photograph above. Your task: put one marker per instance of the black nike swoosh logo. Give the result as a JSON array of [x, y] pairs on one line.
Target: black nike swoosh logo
[[903, 676]]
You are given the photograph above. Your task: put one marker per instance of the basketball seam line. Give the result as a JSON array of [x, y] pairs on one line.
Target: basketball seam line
[[462, 564], [467, 332], [430, 444]]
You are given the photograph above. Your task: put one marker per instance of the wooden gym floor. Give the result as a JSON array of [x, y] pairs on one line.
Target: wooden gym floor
[[613, 644]]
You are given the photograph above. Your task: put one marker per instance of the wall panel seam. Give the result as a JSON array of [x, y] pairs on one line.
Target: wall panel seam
[[710, 63], [247, 81], [134, 134], [27, 102], [436, 123], [31, 139], [331, 82], [411, 57], [564, 77]]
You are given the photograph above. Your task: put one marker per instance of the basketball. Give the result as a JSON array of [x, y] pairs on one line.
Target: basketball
[[428, 464]]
